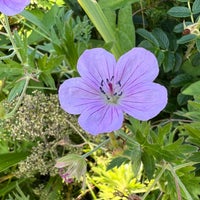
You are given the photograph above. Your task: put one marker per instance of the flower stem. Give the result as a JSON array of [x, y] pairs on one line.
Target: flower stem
[[180, 183], [96, 148], [7, 28], [155, 181]]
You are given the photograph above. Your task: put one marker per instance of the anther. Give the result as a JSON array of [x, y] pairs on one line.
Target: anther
[[102, 90], [102, 83], [120, 94], [119, 83]]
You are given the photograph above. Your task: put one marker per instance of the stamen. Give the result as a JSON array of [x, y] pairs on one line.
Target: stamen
[[120, 94], [102, 83], [112, 91], [119, 83], [102, 90]]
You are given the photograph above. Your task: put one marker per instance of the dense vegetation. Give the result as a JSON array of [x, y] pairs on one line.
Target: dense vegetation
[[44, 153]]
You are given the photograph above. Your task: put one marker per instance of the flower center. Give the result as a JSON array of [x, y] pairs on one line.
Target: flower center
[[111, 90]]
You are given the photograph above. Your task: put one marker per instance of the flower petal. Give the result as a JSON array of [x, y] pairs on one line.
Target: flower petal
[[96, 65], [75, 95], [144, 101], [101, 119], [13, 7], [136, 66]]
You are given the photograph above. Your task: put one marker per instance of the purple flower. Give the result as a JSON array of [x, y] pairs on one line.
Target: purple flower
[[13, 7], [107, 89]]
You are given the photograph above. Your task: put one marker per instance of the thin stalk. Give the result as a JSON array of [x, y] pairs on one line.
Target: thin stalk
[[191, 16], [96, 148], [7, 28], [155, 181], [180, 183]]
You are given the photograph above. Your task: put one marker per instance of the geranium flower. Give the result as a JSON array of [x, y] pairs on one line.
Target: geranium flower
[[107, 89], [13, 7]]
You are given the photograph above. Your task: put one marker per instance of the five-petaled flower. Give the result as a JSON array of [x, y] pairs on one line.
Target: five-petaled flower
[[13, 7], [107, 89]]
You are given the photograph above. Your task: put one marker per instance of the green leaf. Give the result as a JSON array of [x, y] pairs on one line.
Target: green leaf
[[11, 159], [186, 38], [47, 79], [8, 70], [198, 44], [116, 4], [101, 23], [195, 157], [181, 80], [193, 89], [32, 18], [196, 7], [163, 131], [9, 187], [117, 162], [179, 11], [149, 164], [125, 22], [148, 36], [160, 56], [162, 38], [16, 90], [169, 61], [180, 27]]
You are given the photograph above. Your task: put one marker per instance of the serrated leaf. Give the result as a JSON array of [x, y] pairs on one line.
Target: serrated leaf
[[179, 11], [195, 157], [148, 36], [162, 132], [186, 38], [193, 89], [16, 90], [7, 70], [116, 162], [162, 38], [196, 7], [47, 79], [149, 164]]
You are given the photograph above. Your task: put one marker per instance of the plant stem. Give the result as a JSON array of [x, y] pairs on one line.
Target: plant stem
[[7, 28], [180, 183], [155, 181], [96, 148]]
